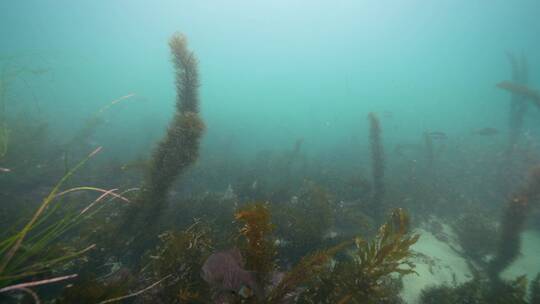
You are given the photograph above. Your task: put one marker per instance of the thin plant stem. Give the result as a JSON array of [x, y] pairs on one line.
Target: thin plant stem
[[46, 202], [135, 293], [37, 283]]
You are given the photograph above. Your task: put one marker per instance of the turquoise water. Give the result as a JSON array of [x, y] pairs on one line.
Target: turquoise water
[[286, 89], [275, 71]]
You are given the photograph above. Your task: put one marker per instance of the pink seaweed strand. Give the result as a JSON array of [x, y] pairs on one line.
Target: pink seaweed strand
[[37, 283], [97, 200], [108, 192]]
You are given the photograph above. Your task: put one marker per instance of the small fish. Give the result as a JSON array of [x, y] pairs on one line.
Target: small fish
[[488, 131], [437, 135], [5, 170], [39, 71]]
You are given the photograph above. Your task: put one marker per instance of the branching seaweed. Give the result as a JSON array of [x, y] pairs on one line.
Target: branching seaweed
[[258, 247], [304, 223], [380, 257], [180, 255], [365, 276], [306, 271]]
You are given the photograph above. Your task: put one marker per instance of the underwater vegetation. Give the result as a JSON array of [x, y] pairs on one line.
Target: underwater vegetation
[[34, 252], [377, 159], [509, 167], [359, 275], [4, 140], [364, 276], [478, 292], [4, 130], [518, 106], [513, 222], [535, 290], [284, 227], [178, 150], [10, 73], [477, 236], [522, 90], [304, 222], [179, 258], [430, 154], [258, 244], [188, 268]]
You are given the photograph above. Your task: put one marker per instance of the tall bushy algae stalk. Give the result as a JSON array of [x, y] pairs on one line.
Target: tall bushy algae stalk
[[377, 162], [513, 223], [177, 150]]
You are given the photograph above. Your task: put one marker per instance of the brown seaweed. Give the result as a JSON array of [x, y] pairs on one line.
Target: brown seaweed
[[513, 223], [378, 165], [258, 243], [177, 151]]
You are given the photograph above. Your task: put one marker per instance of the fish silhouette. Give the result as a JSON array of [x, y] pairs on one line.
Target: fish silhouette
[[438, 135], [487, 131]]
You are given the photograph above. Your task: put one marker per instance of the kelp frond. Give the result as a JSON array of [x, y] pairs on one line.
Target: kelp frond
[[365, 278], [390, 249], [307, 269]]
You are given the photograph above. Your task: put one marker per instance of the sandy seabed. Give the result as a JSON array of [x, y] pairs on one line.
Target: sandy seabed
[[438, 262]]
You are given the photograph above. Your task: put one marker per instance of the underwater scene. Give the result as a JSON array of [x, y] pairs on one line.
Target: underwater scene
[[270, 152]]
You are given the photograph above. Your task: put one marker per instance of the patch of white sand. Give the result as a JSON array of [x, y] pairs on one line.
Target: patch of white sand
[[437, 263]]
